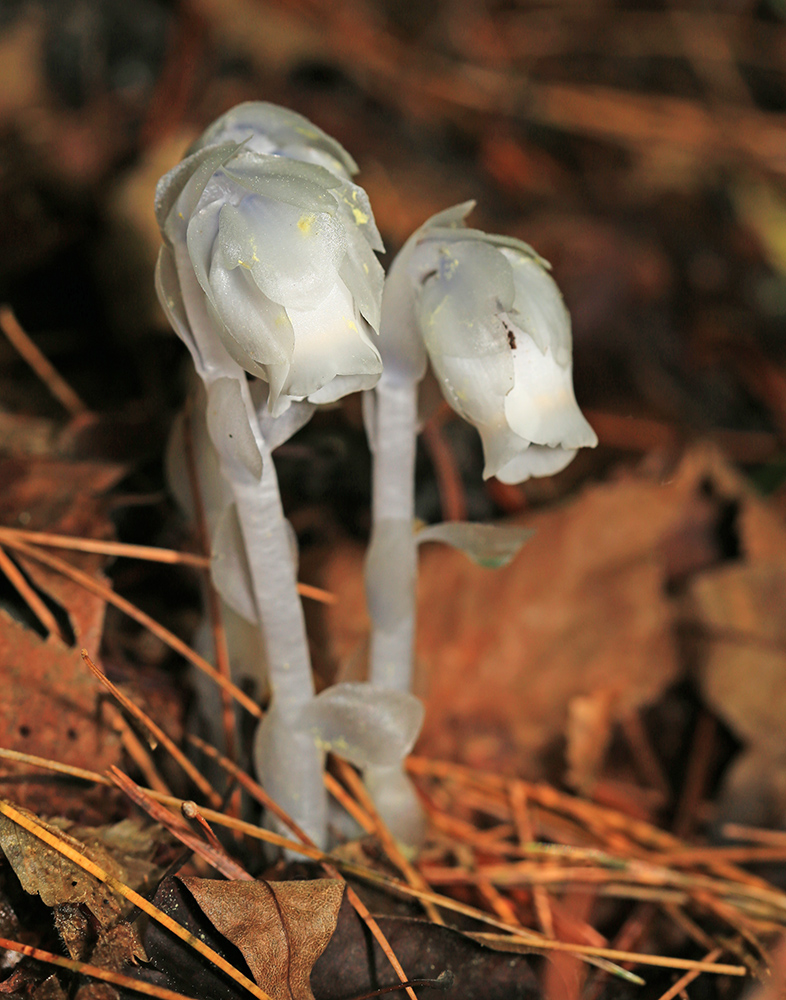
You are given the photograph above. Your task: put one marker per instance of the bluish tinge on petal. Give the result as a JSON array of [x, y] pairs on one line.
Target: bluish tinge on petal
[[178, 192], [301, 185], [269, 128], [280, 240]]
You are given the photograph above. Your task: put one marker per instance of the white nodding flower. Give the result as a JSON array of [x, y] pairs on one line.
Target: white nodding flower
[[281, 243], [498, 337]]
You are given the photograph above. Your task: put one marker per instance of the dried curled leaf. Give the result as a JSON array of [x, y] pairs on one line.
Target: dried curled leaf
[[281, 928], [65, 886]]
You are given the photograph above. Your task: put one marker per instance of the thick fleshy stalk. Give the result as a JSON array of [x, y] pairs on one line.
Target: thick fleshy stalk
[[391, 564], [289, 762]]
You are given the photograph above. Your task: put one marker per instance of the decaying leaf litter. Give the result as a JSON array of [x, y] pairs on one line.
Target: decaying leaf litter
[[669, 620]]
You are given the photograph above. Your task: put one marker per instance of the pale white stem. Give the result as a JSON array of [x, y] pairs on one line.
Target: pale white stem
[[288, 761], [391, 566]]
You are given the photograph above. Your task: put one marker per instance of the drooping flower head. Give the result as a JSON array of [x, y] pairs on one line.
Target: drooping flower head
[[270, 245], [498, 338]]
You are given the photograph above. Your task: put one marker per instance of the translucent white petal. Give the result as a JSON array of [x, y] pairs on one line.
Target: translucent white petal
[[535, 462], [449, 218], [277, 127], [171, 298], [228, 424], [229, 567], [277, 430], [304, 186], [201, 239], [277, 403], [293, 257], [539, 310], [541, 407], [178, 192], [342, 385], [459, 304], [500, 446], [260, 329], [354, 204], [476, 387], [364, 724], [489, 545], [329, 341], [362, 273]]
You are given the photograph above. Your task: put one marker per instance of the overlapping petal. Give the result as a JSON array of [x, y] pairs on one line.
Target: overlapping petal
[[281, 242], [498, 339]]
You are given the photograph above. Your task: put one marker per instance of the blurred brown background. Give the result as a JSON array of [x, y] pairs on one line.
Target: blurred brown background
[[640, 147]]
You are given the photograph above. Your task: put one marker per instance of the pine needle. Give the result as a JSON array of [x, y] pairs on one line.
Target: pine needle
[[29, 824]]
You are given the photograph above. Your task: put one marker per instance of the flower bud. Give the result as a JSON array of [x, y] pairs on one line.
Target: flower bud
[[281, 243], [498, 338]]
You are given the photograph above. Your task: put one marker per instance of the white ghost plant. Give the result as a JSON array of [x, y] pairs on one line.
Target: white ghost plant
[[268, 270], [278, 244], [487, 316]]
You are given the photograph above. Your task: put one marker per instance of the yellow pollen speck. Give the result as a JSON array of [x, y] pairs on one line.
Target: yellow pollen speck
[[360, 217], [304, 223], [242, 263], [350, 324], [365, 268]]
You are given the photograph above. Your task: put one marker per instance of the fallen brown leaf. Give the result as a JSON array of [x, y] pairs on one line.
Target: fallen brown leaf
[[352, 964], [281, 928], [68, 498], [587, 610], [48, 708]]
